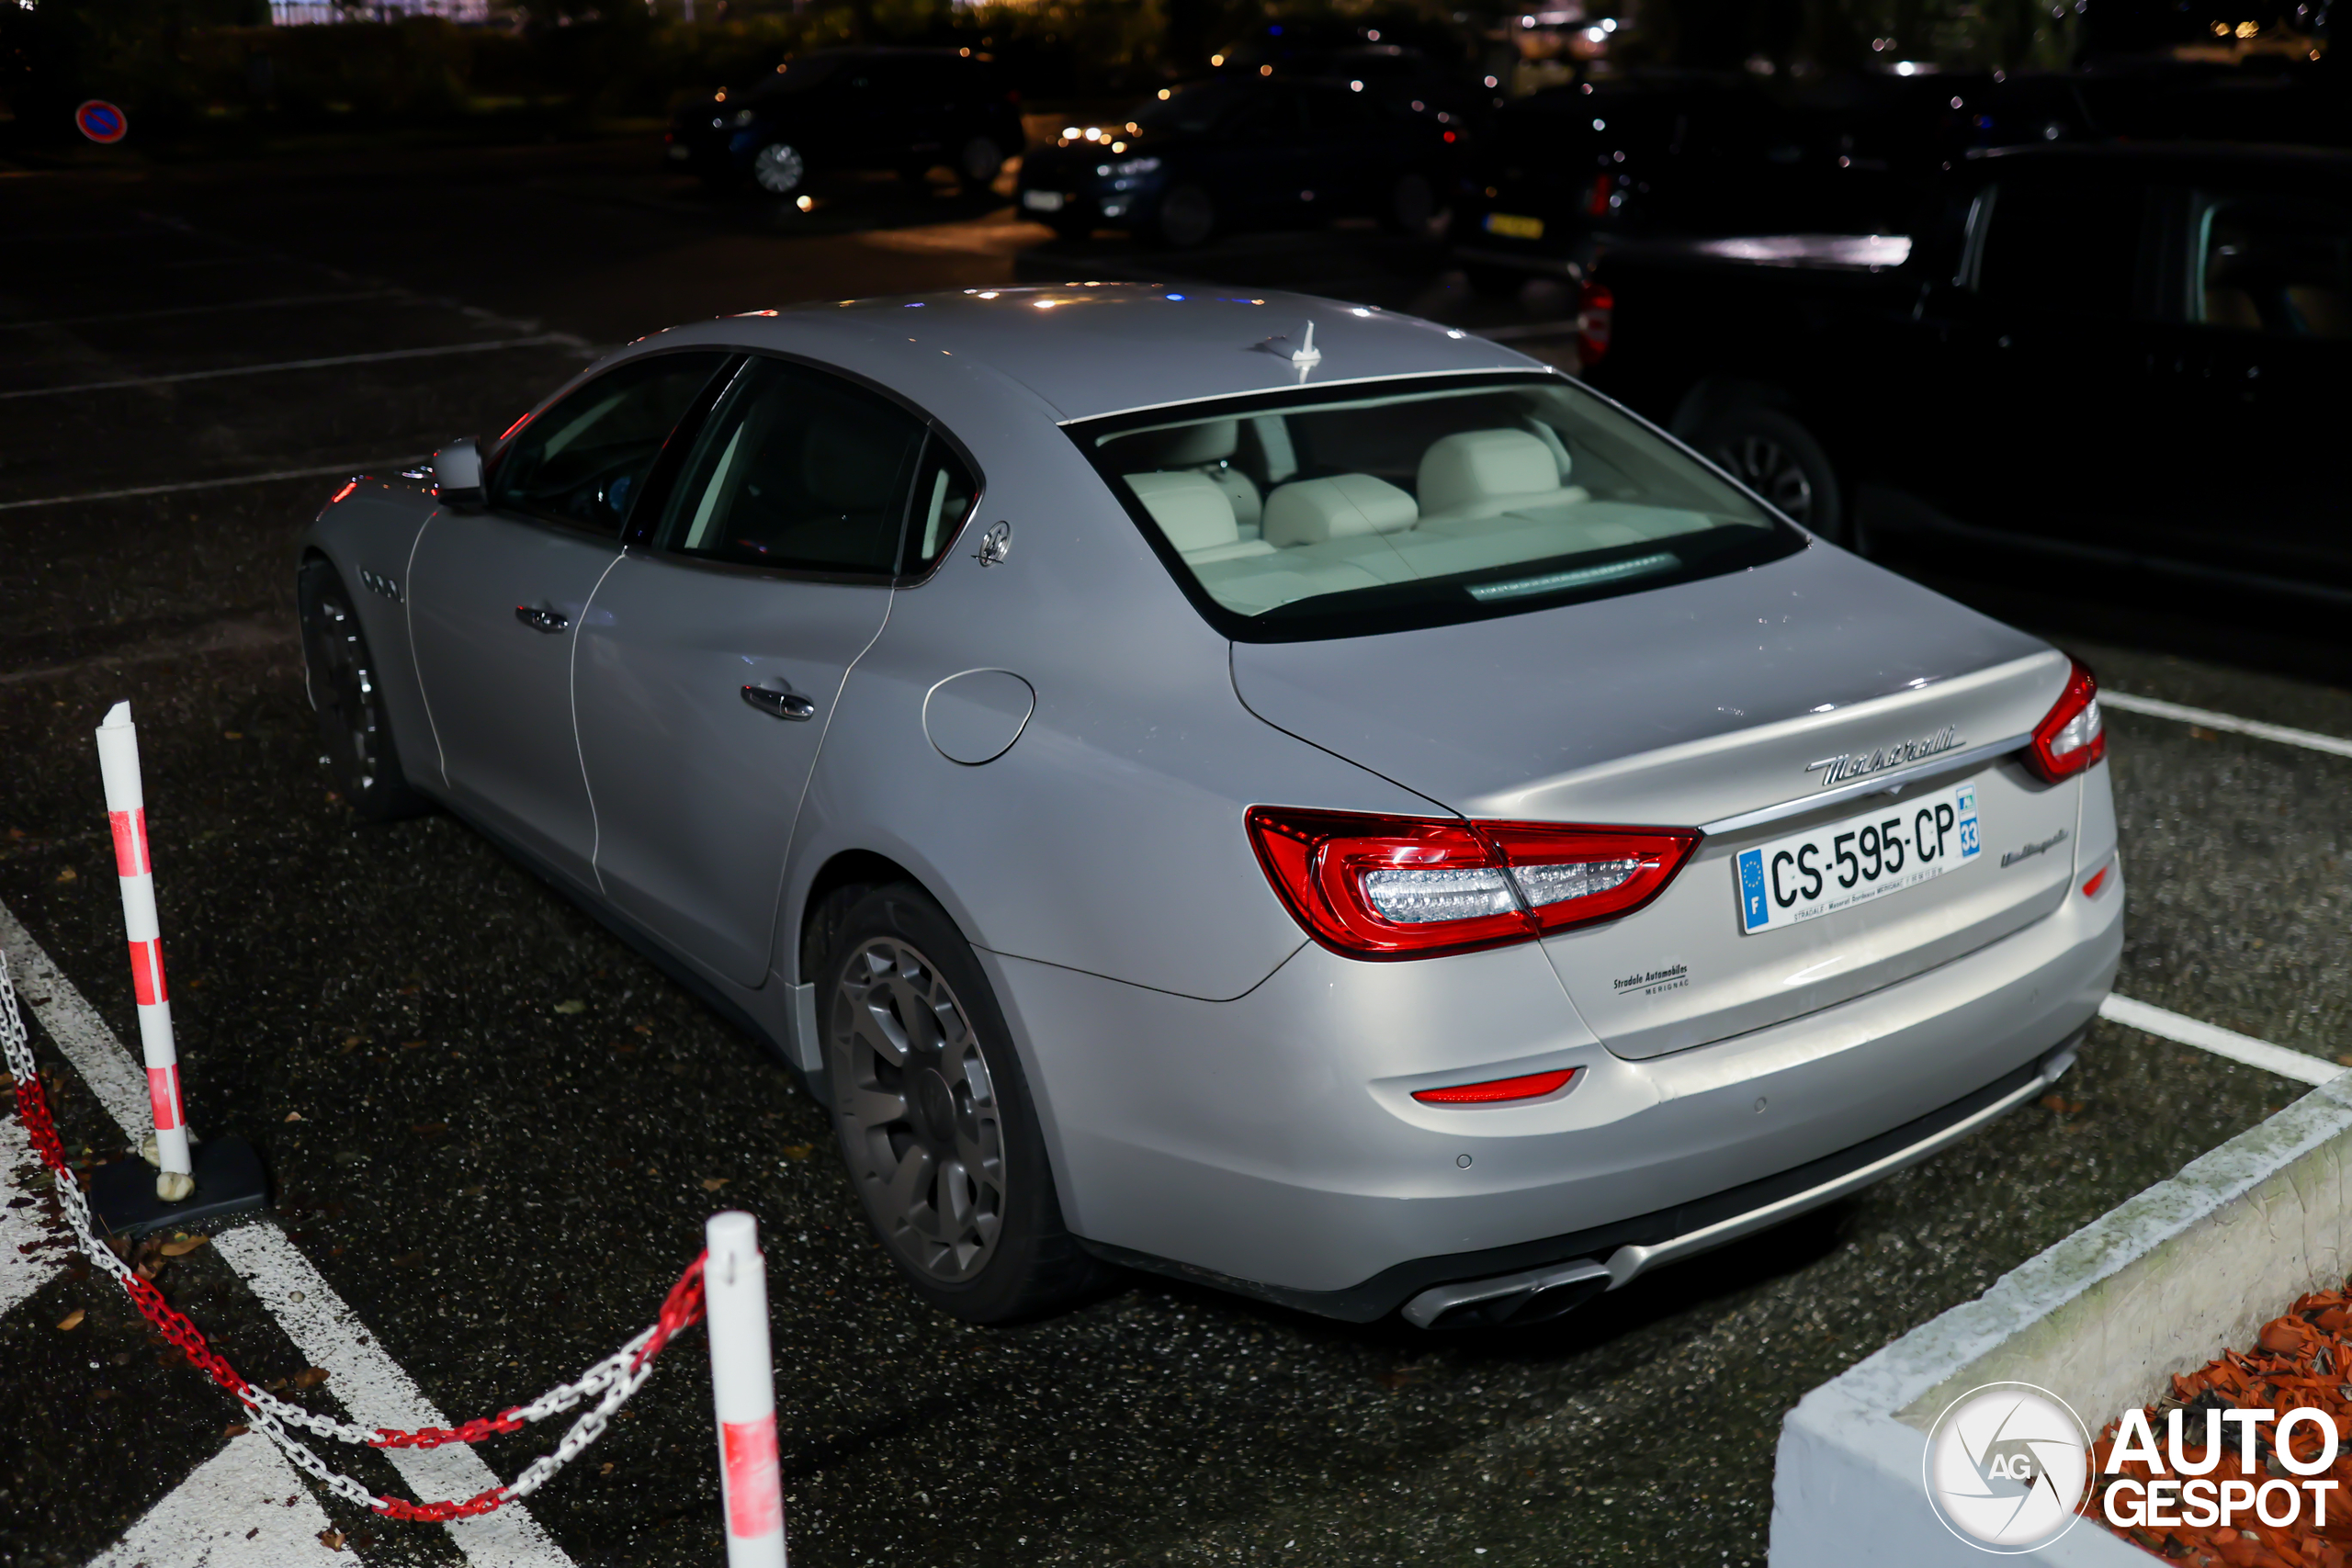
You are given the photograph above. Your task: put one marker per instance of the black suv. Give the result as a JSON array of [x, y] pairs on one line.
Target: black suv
[[904, 109]]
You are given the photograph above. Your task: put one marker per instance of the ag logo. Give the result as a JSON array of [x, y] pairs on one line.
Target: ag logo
[[2007, 1465]]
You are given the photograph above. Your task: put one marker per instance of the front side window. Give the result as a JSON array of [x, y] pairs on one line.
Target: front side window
[[2280, 264], [1365, 510], [799, 471], [2059, 249], [583, 461]]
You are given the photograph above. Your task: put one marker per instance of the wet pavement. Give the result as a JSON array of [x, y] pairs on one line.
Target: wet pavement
[[497, 1130]]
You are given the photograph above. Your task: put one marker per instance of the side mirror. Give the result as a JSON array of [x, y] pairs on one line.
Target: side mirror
[[456, 476]]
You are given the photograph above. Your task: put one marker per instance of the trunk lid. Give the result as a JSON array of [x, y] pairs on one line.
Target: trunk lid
[[1698, 706]]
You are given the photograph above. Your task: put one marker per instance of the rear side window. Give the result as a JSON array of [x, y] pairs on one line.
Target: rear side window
[[944, 494], [583, 461], [2276, 264], [797, 470], [2050, 248]]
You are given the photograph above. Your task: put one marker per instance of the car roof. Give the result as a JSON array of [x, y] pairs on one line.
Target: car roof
[[1090, 349]]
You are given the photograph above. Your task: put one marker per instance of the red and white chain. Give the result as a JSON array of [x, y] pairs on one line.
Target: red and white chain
[[613, 1379]]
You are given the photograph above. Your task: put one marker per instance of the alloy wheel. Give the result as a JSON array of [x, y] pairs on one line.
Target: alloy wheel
[[1771, 471], [921, 1125], [778, 168], [348, 695]]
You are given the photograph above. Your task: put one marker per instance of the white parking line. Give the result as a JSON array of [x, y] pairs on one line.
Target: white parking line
[[2221, 1042], [2123, 701], [393, 464], [245, 1507], [282, 300], [369, 1384], [564, 340]]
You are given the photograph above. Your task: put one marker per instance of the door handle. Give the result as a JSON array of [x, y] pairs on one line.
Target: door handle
[[541, 620], [780, 705]]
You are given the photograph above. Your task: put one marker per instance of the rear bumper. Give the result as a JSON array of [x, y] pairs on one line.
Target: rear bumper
[[1270, 1143]]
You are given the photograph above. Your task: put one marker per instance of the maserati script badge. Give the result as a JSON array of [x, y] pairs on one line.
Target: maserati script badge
[[1858, 765]]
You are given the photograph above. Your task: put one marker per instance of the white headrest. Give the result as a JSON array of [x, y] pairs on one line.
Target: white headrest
[[1308, 512], [1184, 446], [1478, 465], [1190, 508]]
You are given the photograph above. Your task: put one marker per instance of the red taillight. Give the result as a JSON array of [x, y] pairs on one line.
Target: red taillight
[[1596, 308], [1495, 1091], [2071, 736], [1374, 886], [1604, 187], [349, 485]]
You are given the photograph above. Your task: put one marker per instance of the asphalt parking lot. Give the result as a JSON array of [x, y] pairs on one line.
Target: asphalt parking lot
[[497, 1130]]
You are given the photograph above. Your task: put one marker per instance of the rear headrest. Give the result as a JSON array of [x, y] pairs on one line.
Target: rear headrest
[[1186, 446], [1190, 508], [1478, 465], [1308, 512]]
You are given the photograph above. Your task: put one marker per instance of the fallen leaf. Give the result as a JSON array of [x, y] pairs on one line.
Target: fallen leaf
[[408, 1260], [429, 1129], [642, 1028], [236, 1430], [412, 1045], [799, 1151], [471, 1192], [184, 1246], [572, 1006], [410, 990], [350, 1044], [713, 1183], [310, 1377], [233, 734], [293, 1116], [69, 875], [607, 1469], [72, 1320], [2198, 732], [620, 1050], [332, 1539]]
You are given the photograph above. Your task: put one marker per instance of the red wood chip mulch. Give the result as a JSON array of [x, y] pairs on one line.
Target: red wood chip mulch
[[2303, 1359]]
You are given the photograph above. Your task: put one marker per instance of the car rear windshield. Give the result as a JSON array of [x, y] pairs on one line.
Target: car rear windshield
[[1382, 507]]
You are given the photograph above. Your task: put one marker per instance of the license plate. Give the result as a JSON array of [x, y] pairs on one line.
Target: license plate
[[1041, 200], [1512, 226], [1867, 856]]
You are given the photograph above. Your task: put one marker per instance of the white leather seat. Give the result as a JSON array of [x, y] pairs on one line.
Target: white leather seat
[[1194, 511], [1206, 448], [1477, 473], [1313, 512]]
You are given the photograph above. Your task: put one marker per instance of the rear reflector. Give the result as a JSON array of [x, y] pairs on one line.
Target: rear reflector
[[1376, 886], [1596, 313], [2073, 735], [1533, 1086], [2095, 881]]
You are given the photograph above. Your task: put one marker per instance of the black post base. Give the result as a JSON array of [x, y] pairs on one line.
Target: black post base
[[229, 1180]]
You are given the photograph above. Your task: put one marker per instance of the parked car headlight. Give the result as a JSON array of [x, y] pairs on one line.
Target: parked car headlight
[[1135, 166]]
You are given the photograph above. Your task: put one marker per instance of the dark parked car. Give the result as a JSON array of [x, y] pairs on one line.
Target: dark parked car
[[1239, 151], [1566, 172], [2127, 354], [905, 109]]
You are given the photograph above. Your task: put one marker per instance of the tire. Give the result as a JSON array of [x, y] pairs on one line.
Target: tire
[[779, 168], [1186, 218], [935, 1118], [1778, 459], [349, 693], [1413, 206], [977, 165]]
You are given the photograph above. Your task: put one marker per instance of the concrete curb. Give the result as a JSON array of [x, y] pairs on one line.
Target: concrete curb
[[2159, 1285]]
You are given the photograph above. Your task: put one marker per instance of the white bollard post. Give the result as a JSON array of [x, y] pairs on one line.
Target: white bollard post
[[127, 813], [742, 1387]]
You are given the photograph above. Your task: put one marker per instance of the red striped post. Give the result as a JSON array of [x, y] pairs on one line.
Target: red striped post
[[127, 813], [742, 1386]]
